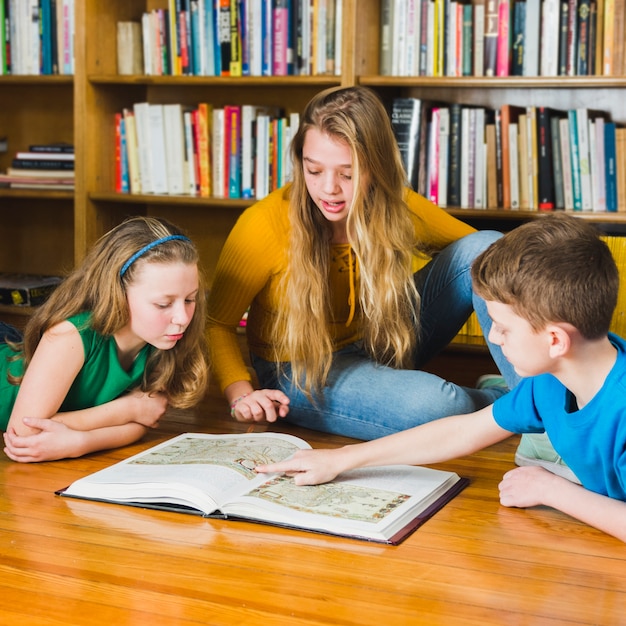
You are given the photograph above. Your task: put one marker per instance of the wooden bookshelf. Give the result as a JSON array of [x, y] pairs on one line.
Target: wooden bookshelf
[[48, 232]]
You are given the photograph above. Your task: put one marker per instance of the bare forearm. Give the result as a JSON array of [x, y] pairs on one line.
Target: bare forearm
[[110, 437], [434, 442], [601, 512]]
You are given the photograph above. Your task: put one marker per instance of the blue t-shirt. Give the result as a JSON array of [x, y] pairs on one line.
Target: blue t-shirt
[[591, 440]]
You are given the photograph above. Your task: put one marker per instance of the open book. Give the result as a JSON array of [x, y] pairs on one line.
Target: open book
[[213, 476]]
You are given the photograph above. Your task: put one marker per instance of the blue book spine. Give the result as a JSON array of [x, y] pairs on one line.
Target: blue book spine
[[610, 160], [266, 33], [575, 158], [124, 176], [245, 42], [45, 30], [196, 58]]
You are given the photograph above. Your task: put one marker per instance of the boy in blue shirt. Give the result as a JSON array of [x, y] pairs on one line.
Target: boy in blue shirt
[[551, 288]]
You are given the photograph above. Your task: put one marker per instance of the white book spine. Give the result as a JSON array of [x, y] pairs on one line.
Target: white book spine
[[142, 127], [514, 167], [479, 161], [174, 148], [218, 155], [158, 162], [600, 165], [465, 142], [566, 158], [190, 159], [583, 156], [479, 39], [444, 141], [530, 64]]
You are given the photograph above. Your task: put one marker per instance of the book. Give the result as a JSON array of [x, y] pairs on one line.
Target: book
[[406, 123], [490, 45], [26, 289], [214, 476], [545, 180], [610, 156], [129, 48], [532, 35]]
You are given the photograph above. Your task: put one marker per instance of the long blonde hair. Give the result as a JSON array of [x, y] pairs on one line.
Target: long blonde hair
[[98, 286], [381, 234]]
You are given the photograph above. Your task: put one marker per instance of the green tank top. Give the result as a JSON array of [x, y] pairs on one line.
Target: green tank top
[[100, 380]]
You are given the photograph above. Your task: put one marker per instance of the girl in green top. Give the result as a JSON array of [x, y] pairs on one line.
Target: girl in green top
[[120, 340]]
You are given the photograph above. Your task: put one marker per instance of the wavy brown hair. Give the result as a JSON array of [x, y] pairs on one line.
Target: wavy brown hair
[[381, 234], [96, 286]]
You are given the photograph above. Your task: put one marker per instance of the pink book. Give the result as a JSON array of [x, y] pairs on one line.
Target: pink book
[[504, 49], [280, 27], [433, 157]]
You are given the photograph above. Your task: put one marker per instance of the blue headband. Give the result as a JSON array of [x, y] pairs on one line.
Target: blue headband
[[149, 247]]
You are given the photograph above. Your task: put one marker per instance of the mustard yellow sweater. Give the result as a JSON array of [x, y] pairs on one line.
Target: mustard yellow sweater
[[253, 261]]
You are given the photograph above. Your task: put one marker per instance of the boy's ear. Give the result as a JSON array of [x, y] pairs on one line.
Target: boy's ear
[[560, 339]]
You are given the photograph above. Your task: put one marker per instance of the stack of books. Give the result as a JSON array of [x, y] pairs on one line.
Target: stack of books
[[45, 166]]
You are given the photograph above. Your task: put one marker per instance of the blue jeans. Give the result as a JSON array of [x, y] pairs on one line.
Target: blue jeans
[[366, 400]]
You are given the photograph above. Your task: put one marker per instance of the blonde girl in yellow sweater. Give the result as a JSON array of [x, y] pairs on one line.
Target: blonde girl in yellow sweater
[[353, 282]]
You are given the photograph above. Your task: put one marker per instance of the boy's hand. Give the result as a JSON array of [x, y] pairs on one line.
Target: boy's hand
[[528, 486], [307, 467]]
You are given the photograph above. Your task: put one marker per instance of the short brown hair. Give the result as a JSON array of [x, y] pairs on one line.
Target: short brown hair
[[553, 269]]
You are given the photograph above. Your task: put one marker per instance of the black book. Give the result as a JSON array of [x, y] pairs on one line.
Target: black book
[[406, 121], [544, 156], [454, 157], [43, 164]]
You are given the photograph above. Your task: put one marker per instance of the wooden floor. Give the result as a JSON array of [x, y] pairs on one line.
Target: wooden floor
[[67, 562]]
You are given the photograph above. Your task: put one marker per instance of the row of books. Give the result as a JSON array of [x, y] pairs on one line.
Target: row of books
[[42, 166], [502, 37], [243, 38], [526, 158], [236, 151], [36, 37]]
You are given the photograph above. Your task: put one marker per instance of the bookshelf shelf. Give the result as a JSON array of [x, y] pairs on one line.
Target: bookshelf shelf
[[168, 200], [497, 82], [319, 82], [36, 79], [46, 232], [34, 194]]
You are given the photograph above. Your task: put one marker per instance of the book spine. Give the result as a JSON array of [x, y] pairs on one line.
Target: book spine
[[280, 26], [575, 160], [454, 174], [503, 57], [563, 37], [557, 163], [582, 131], [202, 125], [514, 166], [610, 149], [43, 164], [491, 37], [235, 67], [582, 55], [566, 160], [532, 36], [600, 160], [233, 113], [545, 171], [190, 158], [519, 22]]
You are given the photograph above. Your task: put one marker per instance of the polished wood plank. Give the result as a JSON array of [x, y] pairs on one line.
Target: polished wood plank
[[70, 561]]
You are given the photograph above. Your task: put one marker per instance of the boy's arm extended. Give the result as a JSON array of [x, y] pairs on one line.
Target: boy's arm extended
[[436, 441], [533, 486]]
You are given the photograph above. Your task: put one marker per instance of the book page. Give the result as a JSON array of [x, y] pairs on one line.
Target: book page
[[361, 502], [194, 469]]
